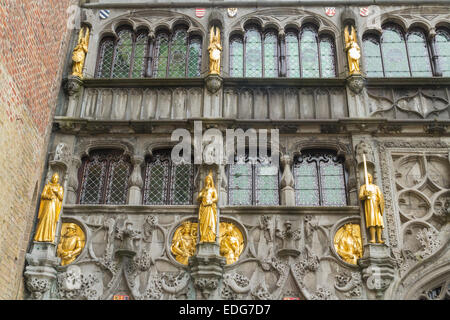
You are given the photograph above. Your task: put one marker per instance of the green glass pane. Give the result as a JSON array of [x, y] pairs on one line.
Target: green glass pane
[[156, 183], [195, 57], [394, 53], [266, 170], [240, 197], [333, 182], [93, 184], [372, 58], [181, 184], [267, 197], [253, 54], [327, 59], [306, 182], [418, 55], [266, 182], [292, 56], [334, 197], [309, 53], [236, 58], [307, 197], [443, 51], [178, 51], [139, 56], [107, 53], [330, 168], [305, 169], [118, 183], [241, 169], [161, 56], [240, 182], [270, 55], [122, 60]]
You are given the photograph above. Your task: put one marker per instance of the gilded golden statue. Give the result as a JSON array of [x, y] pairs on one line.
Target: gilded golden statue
[[71, 243], [208, 210], [215, 50], [49, 209], [373, 207], [348, 244], [231, 242], [80, 52], [184, 241], [352, 49]]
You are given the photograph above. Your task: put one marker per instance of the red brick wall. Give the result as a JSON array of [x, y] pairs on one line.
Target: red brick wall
[[34, 36]]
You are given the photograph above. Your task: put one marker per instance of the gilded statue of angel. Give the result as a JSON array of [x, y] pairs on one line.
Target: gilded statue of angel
[[80, 52], [215, 50], [352, 49]]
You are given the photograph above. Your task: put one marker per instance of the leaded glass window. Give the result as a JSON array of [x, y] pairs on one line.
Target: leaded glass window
[[253, 53], [236, 57], [292, 55], [253, 183], [418, 54], [319, 179], [327, 57], [168, 55], [442, 42], [373, 64], [270, 55], [105, 177], [167, 183], [309, 53]]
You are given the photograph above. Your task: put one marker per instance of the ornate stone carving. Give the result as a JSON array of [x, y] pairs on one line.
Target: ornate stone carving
[[355, 83], [349, 283], [289, 238], [213, 83]]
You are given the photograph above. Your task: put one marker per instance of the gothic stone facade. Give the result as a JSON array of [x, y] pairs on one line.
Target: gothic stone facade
[[400, 123]]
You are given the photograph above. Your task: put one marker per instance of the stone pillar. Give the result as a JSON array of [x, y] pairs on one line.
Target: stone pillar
[[287, 182], [282, 62], [136, 182], [73, 183], [434, 55]]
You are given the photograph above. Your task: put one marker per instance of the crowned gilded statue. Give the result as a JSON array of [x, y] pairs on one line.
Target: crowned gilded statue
[[208, 210], [49, 209], [80, 52], [352, 49], [215, 50]]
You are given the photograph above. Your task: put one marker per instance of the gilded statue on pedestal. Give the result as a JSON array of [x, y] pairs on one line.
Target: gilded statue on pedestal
[[79, 53], [208, 210], [373, 206], [348, 244], [231, 242], [49, 209], [215, 50], [71, 243], [352, 49], [184, 241]]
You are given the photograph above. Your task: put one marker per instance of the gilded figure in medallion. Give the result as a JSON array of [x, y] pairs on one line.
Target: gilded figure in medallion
[[215, 50], [353, 50], [184, 241], [49, 210], [231, 242], [80, 52], [373, 200], [348, 244], [71, 243], [208, 210]]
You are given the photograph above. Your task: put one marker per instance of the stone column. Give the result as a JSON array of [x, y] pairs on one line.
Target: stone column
[[136, 182], [287, 182], [434, 55], [73, 183], [73, 88]]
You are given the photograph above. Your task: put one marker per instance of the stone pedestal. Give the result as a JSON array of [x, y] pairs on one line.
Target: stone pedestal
[[40, 273], [206, 268], [213, 83], [378, 268], [73, 88]]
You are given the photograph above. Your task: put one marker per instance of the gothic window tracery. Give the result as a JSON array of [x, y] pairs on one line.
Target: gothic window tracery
[[104, 175], [136, 55], [253, 181], [167, 183], [320, 179]]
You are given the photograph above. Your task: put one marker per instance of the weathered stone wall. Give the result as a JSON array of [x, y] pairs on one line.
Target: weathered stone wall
[[33, 46]]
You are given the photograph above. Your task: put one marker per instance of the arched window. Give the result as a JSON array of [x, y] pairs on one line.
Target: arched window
[[319, 177], [397, 54], [442, 43], [373, 64], [129, 56], [167, 183], [105, 175], [177, 55], [253, 182], [308, 55]]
